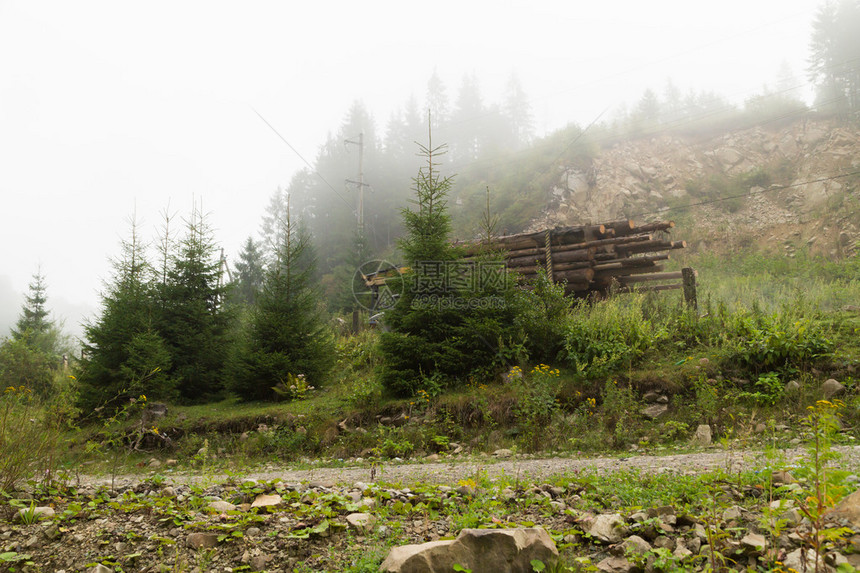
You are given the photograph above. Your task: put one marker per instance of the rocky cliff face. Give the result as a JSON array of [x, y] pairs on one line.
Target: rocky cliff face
[[778, 186]]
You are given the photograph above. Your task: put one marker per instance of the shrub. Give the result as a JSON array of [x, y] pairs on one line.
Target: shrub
[[604, 337], [27, 445]]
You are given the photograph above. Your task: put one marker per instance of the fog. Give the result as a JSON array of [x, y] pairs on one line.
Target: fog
[[109, 108]]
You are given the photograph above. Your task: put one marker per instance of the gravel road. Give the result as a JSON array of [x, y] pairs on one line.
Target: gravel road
[[524, 468]]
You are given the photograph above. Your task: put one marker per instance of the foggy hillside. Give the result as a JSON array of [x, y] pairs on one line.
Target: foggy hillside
[[775, 187]]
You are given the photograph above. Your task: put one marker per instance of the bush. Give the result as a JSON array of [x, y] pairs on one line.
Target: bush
[[24, 365], [27, 445], [604, 337], [764, 343]]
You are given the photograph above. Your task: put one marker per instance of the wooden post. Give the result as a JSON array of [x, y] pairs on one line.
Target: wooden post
[[356, 322], [689, 277]]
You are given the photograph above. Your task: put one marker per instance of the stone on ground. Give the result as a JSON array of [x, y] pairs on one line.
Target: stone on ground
[[481, 550]]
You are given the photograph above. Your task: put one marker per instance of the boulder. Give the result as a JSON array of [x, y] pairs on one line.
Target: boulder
[[703, 435], [654, 411], [481, 550], [792, 387], [847, 511], [831, 389], [606, 527]]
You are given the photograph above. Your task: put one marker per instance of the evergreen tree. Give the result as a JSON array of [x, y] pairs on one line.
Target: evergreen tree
[[249, 272], [287, 334], [518, 112], [452, 315], [34, 326], [193, 320], [835, 48], [123, 354]]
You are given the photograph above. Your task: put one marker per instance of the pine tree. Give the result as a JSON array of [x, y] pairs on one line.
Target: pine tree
[[287, 334], [193, 320], [123, 355], [34, 326], [249, 272], [451, 317]]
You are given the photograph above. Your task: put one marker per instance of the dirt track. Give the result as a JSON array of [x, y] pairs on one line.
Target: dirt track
[[531, 469]]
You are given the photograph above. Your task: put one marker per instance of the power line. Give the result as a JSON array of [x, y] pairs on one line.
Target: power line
[[300, 156], [747, 194]]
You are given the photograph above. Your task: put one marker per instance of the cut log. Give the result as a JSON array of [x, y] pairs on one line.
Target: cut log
[[649, 288], [650, 247], [604, 277], [671, 275], [630, 263], [562, 257], [649, 228], [532, 270]]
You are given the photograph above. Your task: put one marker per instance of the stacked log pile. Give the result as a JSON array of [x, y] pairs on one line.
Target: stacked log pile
[[591, 258]]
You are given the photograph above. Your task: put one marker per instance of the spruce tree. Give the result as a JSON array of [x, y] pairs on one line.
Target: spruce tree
[[123, 355], [287, 334], [192, 318], [453, 316], [34, 327], [249, 273]]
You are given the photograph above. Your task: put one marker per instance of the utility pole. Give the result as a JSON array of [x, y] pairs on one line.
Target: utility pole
[[360, 246], [360, 183]]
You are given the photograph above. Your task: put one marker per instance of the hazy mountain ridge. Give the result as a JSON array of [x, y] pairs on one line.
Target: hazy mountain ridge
[[777, 185]]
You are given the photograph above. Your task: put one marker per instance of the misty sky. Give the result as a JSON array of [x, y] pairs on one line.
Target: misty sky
[[111, 107]]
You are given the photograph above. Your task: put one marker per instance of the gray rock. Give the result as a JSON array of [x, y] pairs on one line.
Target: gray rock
[[800, 561], [481, 550], [221, 506], [264, 500], [703, 435], [361, 522], [792, 387], [503, 453], [753, 543], [606, 527], [846, 511], [99, 568], [201, 540], [635, 545], [38, 512], [654, 411], [831, 389], [616, 565], [732, 514]]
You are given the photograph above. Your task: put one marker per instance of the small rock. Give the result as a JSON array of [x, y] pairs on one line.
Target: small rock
[[616, 565], [800, 561], [635, 545], [503, 453], [264, 500], [38, 512], [99, 568], [753, 543], [201, 540], [606, 527], [221, 506], [361, 522], [792, 387], [252, 532], [168, 492], [732, 514]]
